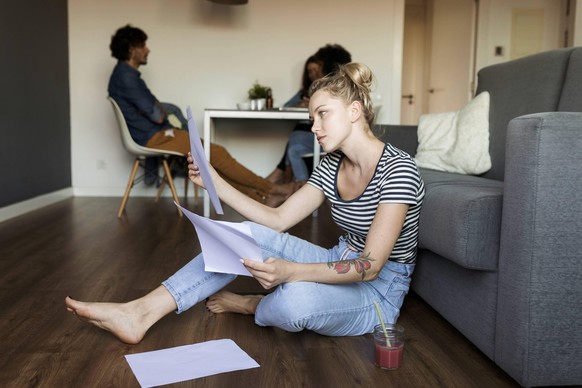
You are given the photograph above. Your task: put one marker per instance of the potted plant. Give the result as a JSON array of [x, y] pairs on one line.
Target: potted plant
[[258, 96], [258, 91]]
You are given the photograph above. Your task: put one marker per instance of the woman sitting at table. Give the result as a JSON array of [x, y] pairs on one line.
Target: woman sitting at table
[[324, 61]]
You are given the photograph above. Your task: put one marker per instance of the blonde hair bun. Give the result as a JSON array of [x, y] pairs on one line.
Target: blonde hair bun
[[350, 82]]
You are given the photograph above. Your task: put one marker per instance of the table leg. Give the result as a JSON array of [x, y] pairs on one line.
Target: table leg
[[316, 152], [316, 156]]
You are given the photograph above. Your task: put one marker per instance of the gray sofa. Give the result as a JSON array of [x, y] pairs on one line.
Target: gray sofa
[[500, 255]]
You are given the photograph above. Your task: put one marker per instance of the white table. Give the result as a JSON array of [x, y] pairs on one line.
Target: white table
[[210, 115]]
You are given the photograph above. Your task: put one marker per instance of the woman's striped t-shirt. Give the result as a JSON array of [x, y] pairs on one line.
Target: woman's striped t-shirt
[[396, 180]]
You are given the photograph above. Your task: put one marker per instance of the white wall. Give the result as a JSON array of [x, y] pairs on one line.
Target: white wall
[[495, 27], [207, 56]]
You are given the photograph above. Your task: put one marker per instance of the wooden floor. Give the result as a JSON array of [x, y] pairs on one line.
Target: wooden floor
[[78, 247]]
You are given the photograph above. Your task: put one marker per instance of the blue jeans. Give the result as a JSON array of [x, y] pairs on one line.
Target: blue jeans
[[300, 143], [329, 309]]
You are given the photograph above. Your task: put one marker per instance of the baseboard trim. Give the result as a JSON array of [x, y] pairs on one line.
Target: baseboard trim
[[23, 207], [138, 191]]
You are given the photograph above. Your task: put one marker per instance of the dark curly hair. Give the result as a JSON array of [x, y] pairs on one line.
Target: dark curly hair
[[332, 55], [305, 80], [124, 39]]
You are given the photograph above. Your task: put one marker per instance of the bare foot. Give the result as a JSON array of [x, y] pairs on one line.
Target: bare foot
[[274, 200], [228, 302], [117, 318], [299, 184], [283, 188], [287, 175], [275, 176]]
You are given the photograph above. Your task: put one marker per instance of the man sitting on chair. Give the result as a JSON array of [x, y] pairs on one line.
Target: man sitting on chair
[[147, 119]]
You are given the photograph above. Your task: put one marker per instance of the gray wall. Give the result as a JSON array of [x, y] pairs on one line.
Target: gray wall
[[35, 139]]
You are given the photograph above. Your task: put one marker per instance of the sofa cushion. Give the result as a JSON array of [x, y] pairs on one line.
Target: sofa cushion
[[456, 141], [461, 218]]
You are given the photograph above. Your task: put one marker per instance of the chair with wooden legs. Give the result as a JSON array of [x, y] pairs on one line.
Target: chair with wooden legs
[[141, 153]]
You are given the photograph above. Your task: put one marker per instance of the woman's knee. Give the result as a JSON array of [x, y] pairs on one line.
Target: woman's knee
[[289, 307]]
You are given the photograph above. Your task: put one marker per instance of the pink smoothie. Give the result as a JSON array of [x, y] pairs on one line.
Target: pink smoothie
[[389, 358]]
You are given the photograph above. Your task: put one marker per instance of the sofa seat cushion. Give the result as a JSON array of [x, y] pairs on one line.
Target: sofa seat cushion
[[461, 218]]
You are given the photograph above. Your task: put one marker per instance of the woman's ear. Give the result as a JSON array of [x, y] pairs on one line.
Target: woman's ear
[[355, 110]]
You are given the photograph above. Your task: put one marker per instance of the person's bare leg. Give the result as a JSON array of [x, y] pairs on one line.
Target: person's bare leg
[[127, 321], [228, 302]]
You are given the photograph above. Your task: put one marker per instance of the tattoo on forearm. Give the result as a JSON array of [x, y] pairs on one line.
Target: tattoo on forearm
[[361, 264]]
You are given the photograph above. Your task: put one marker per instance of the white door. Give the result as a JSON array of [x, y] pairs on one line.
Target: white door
[[438, 57], [414, 62], [452, 54]]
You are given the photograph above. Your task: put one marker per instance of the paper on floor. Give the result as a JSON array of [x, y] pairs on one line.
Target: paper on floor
[[188, 362]]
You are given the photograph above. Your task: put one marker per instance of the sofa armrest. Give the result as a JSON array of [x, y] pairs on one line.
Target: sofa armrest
[[403, 137], [539, 316]]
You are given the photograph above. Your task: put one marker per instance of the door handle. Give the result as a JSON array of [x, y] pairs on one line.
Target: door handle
[[410, 97]]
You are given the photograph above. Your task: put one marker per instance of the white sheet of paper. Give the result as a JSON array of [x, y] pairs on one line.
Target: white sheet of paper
[[224, 244], [188, 362], [200, 158]]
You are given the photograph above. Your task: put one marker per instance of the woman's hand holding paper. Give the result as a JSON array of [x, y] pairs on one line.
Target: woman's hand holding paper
[[271, 272], [194, 171]]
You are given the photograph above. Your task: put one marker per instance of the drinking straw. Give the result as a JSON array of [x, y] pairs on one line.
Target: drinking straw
[[382, 323]]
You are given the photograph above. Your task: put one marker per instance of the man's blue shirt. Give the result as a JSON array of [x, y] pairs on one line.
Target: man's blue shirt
[[139, 106]]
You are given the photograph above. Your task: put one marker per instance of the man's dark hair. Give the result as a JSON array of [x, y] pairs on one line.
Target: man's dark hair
[[332, 55], [124, 39]]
